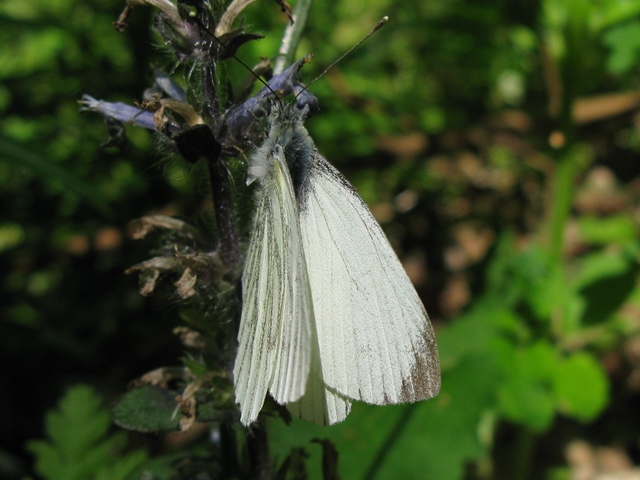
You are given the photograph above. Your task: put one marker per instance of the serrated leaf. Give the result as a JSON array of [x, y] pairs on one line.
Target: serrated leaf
[[78, 445], [76, 431], [79, 421], [581, 386], [147, 409]]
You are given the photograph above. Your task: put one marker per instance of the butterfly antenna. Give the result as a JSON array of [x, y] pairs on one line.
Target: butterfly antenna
[[378, 26]]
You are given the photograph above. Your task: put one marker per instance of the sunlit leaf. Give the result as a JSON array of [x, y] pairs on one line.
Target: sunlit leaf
[[581, 386], [526, 395], [605, 230], [624, 42]]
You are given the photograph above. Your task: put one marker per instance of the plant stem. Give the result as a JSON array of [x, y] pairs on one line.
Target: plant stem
[[291, 37], [225, 213], [572, 73], [228, 455], [211, 105], [258, 450], [561, 203]]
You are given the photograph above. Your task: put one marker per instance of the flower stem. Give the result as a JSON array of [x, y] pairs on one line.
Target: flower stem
[[291, 37]]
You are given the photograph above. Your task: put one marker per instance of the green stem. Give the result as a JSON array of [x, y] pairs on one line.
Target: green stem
[[291, 37], [569, 158], [563, 188]]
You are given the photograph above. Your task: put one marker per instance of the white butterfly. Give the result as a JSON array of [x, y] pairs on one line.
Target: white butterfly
[[329, 314]]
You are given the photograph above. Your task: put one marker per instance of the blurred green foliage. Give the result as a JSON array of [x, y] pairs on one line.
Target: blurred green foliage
[[458, 123]]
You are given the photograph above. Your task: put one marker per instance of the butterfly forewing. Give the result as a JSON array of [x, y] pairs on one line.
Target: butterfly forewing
[[375, 340]]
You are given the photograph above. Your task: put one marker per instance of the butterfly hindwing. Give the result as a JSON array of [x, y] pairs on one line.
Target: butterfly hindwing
[[320, 404]]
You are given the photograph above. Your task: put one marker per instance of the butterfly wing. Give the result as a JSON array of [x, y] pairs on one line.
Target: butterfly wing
[[274, 352], [376, 343], [320, 404]]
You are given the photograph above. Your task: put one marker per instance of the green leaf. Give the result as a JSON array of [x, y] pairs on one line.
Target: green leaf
[[431, 439], [624, 42], [124, 467], [581, 386], [476, 331], [195, 366], [147, 409], [529, 276], [207, 412], [78, 446], [444, 434], [602, 264], [547, 287], [605, 281], [603, 231], [617, 11], [526, 396]]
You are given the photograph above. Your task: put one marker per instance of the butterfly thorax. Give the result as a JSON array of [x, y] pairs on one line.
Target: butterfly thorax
[[286, 129]]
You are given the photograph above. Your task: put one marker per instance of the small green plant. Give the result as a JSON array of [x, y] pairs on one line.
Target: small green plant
[[79, 443]]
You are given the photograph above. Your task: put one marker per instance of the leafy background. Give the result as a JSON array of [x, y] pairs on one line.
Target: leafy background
[[497, 143]]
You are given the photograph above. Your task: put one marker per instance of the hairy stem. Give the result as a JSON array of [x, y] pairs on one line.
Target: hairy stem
[[258, 450], [225, 213]]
